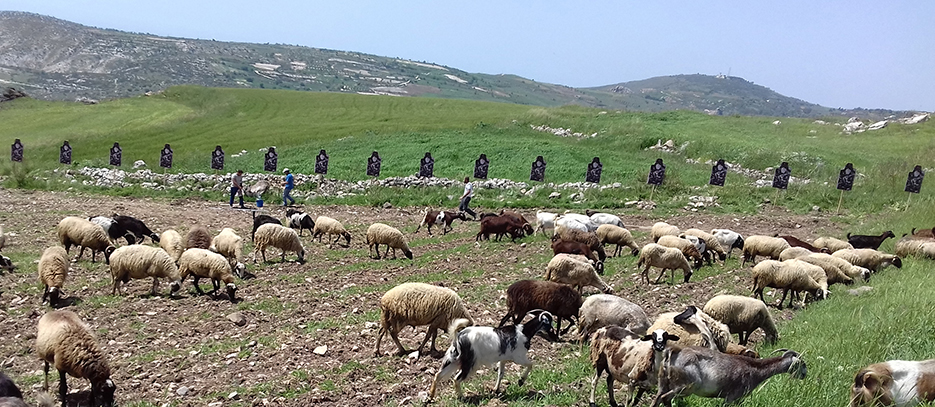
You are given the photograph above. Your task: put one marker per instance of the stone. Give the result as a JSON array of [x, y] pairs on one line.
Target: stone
[[321, 350], [139, 164], [182, 391], [237, 318], [555, 194], [387, 205], [878, 125]]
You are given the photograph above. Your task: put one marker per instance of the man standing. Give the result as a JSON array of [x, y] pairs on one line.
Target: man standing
[[466, 198], [237, 188], [288, 185]]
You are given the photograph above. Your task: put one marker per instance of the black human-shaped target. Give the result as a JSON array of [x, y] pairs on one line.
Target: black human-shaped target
[[321, 163], [165, 158], [217, 158], [269, 164], [116, 154], [593, 173], [914, 182], [718, 173], [537, 173], [373, 165], [64, 154], [480, 167], [16, 151], [426, 166], [846, 177], [781, 176], [657, 173]]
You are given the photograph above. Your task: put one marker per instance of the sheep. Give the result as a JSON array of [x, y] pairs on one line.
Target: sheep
[[582, 219], [924, 233], [328, 226], [138, 262], [379, 233], [837, 269], [869, 242], [440, 218], [694, 327], [499, 226], [869, 258], [477, 347], [758, 245], [915, 246], [589, 238], [280, 237], [742, 315], [894, 383], [831, 244], [64, 340], [81, 232], [228, 244], [572, 247], [418, 304], [628, 358], [699, 244], [665, 258], [199, 237], [2, 239], [171, 242], [260, 220], [300, 220], [708, 373], [786, 276], [600, 218], [545, 220], [560, 300], [208, 264], [106, 223], [794, 252], [53, 270], [575, 270], [6, 263], [8, 388], [600, 310], [729, 239], [711, 242], [611, 234], [685, 246], [661, 229], [519, 218], [128, 225], [567, 223]]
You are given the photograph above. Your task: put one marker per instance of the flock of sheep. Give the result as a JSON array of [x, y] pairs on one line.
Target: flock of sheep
[[676, 354]]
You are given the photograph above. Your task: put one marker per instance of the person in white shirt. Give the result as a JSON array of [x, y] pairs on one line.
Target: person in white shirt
[[237, 187], [466, 198]]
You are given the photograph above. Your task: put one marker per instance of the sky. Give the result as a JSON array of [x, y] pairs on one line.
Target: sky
[[855, 53]]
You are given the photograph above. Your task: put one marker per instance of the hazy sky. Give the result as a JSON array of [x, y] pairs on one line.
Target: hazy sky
[[855, 53]]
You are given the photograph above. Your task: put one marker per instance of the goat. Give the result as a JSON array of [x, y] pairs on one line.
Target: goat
[[629, 358], [868, 241], [478, 346], [572, 247], [499, 226], [444, 218], [519, 218], [894, 382]]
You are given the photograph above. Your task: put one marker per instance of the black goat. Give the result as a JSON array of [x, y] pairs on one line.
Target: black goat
[[260, 220], [868, 241], [299, 220]]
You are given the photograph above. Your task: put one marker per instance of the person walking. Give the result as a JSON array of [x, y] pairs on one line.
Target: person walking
[[288, 185], [466, 198], [237, 188]]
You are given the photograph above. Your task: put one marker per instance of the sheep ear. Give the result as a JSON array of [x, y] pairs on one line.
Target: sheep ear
[[869, 380], [671, 337], [648, 337]]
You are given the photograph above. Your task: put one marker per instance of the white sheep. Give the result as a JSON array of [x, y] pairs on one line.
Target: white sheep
[[418, 304], [694, 328], [280, 237], [379, 233], [758, 245], [81, 232], [208, 264], [894, 383], [575, 270], [53, 270], [787, 276], [869, 258], [711, 242], [837, 269], [601, 218], [742, 315], [325, 225], [688, 247], [562, 223], [616, 235], [582, 219], [915, 246], [729, 239], [794, 252], [228, 244], [171, 242], [666, 258], [831, 244], [661, 229], [600, 310], [65, 341], [545, 220], [138, 262]]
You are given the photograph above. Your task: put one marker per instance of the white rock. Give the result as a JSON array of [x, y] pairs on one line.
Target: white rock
[[321, 350]]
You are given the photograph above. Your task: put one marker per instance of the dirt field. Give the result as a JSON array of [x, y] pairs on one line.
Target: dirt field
[[185, 351]]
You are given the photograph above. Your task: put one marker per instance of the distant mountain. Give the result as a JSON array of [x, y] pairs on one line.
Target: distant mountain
[[49, 58]]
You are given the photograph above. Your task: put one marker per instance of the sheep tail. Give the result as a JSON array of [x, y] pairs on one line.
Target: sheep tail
[[45, 399], [457, 326]]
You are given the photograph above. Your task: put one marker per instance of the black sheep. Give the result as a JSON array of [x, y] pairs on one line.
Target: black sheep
[[561, 300], [260, 220]]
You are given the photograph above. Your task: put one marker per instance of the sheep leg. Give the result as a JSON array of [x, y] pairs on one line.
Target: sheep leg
[[198, 287], [217, 285], [155, 286], [80, 252], [781, 300], [741, 339], [635, 399], [377, 247], [428, 334], [661, 273], [597, 376], [336, 240], [46, 369], [400, 349], [62, 386]]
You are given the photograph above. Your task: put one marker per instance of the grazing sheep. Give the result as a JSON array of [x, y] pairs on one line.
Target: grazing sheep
[[560, 300], [831, 244], [869, 242], [128, 226], [611, 234], [8, 388], [567, 223], [600, 310], [379, 233], [788, 275], [589, 238], [106, 223], [600, 218], [758, 245], [661, 229], [418, 304], [476, 347], [545, 220], [198, 237], [629, 358], [53, 270], [572, 247], [440, 218], [138, 262], [711, 242], [869, 258], [205, 263], [499, 226], [230, 245], [81, 232], [65, 341], [794, 252], [582, 219], [729, 239], [260, 220], [300, 220], [575, 270], [331, 227], [685, 246], [699, 244], [742, 315], [838, 270], [694, 327], [666, 258], [6, 263], [280, 237], [894, 383], [171, 242]]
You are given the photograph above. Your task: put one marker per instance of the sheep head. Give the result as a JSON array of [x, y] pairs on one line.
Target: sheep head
[[6, 263], [231, 290], [102, 392], [175, 287], [54, 295], [659, 338], [107, 253]]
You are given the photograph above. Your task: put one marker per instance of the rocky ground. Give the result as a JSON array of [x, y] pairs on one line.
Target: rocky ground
[[304, 334]]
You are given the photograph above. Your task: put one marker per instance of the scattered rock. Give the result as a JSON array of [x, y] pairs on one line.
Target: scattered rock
[[555, 194], [182, 391], [860, 290], [387, 205], [237, 318], [139, 164], [321, 350]]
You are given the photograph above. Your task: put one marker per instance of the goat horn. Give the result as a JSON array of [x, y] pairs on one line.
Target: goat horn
[[783, 350]]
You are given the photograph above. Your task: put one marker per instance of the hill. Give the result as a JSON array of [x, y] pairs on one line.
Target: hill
[[55, 59]]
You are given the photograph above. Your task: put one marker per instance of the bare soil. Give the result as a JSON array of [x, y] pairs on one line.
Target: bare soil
[[185, 351]]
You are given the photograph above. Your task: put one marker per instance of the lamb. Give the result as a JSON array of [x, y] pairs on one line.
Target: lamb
[[476, 347], [328, 226], [686, 247], [280, 237], [560, 300], [418, 304], [600, 218], [589, 238], [229, 245], [600, 310], [794, 252], [742, 315], [629, 358], [499, 226], [379, 233], [758, 245], [138, 262], [575, 270], [869, 258], [708, 373], [894, 383], [199, 237], [831, 244], [260, 220], [53, 270], [869, 242], [654, 255], [81, 232], [205, 263], [711, 242], [616, 235], [171, 242], [300, 220], [545, 220], [789, 275], [729, 239], [64, 340], [694, 327], [661, 229], [440, 218]]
